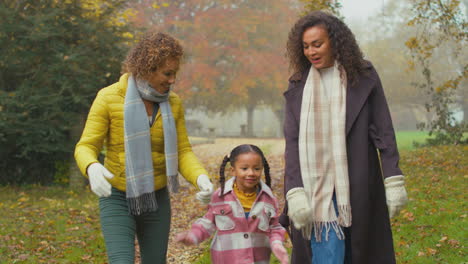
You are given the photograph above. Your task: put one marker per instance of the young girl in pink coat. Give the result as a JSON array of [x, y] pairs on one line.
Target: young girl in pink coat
[[243, 214]]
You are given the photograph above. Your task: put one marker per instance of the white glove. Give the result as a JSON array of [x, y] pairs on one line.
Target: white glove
[[206, 189], [396, 194], [97, 179], [299, 209]]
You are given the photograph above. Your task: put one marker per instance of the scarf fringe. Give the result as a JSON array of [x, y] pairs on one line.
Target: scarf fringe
[[319, 227], [173, 183], [344, 215], [142, 204]]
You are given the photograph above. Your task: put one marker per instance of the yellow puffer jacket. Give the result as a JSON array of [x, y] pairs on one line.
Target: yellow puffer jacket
[[105, 124]]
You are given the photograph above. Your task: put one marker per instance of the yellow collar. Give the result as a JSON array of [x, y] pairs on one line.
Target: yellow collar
[[246, 199]]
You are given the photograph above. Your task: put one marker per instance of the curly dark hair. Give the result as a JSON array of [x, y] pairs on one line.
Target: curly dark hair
[[343, 43], [151, 52]]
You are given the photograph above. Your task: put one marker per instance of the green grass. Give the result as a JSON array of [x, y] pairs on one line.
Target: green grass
[[49, 225], [205, 258], [432, 228], [405, 139]]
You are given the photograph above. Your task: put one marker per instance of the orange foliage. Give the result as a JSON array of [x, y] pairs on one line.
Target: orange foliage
[[235, 49]]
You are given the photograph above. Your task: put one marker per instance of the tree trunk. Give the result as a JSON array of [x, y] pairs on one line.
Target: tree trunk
[[250, 113], [279, 113], [77, 181], [465, 113]]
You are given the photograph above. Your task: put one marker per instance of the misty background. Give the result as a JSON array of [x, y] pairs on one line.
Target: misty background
[[381, 33], [56, 56]]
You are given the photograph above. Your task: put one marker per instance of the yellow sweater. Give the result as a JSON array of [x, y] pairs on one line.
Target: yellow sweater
[[105, 126], [246, 199]]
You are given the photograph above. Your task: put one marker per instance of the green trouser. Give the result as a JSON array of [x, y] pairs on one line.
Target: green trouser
[[119, 229]]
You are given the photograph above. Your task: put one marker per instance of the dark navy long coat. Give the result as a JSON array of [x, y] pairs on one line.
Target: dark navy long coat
[[369, 131]]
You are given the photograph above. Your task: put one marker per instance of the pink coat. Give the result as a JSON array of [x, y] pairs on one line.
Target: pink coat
[[240, 240]]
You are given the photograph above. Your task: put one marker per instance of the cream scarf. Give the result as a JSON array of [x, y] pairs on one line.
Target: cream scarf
[[322, 153]]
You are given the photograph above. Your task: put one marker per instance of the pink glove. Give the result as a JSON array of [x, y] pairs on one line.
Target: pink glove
[[187, 238], [280, 253]]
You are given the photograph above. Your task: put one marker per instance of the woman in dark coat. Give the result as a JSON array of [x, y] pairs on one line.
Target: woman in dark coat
[[340, 196]]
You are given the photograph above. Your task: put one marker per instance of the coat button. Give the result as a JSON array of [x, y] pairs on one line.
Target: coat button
[[222, 212], [254, 217], [246, 236]]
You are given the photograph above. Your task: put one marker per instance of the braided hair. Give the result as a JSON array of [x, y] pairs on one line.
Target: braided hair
[[242, 149]]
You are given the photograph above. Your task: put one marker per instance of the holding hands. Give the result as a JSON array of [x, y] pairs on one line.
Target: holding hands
[[206, 189]]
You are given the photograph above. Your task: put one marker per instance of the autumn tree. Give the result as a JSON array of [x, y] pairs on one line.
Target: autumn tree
[[259, 67], [235, 51], [332, 6], [441, 34]]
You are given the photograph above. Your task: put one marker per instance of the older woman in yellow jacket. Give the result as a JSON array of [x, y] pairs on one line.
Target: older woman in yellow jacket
[[141, 122]]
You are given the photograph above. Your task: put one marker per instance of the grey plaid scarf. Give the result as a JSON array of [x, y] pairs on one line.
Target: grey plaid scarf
[[322, 153], [138, 158]]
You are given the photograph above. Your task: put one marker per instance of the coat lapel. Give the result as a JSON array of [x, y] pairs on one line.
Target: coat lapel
[[356, 96]]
